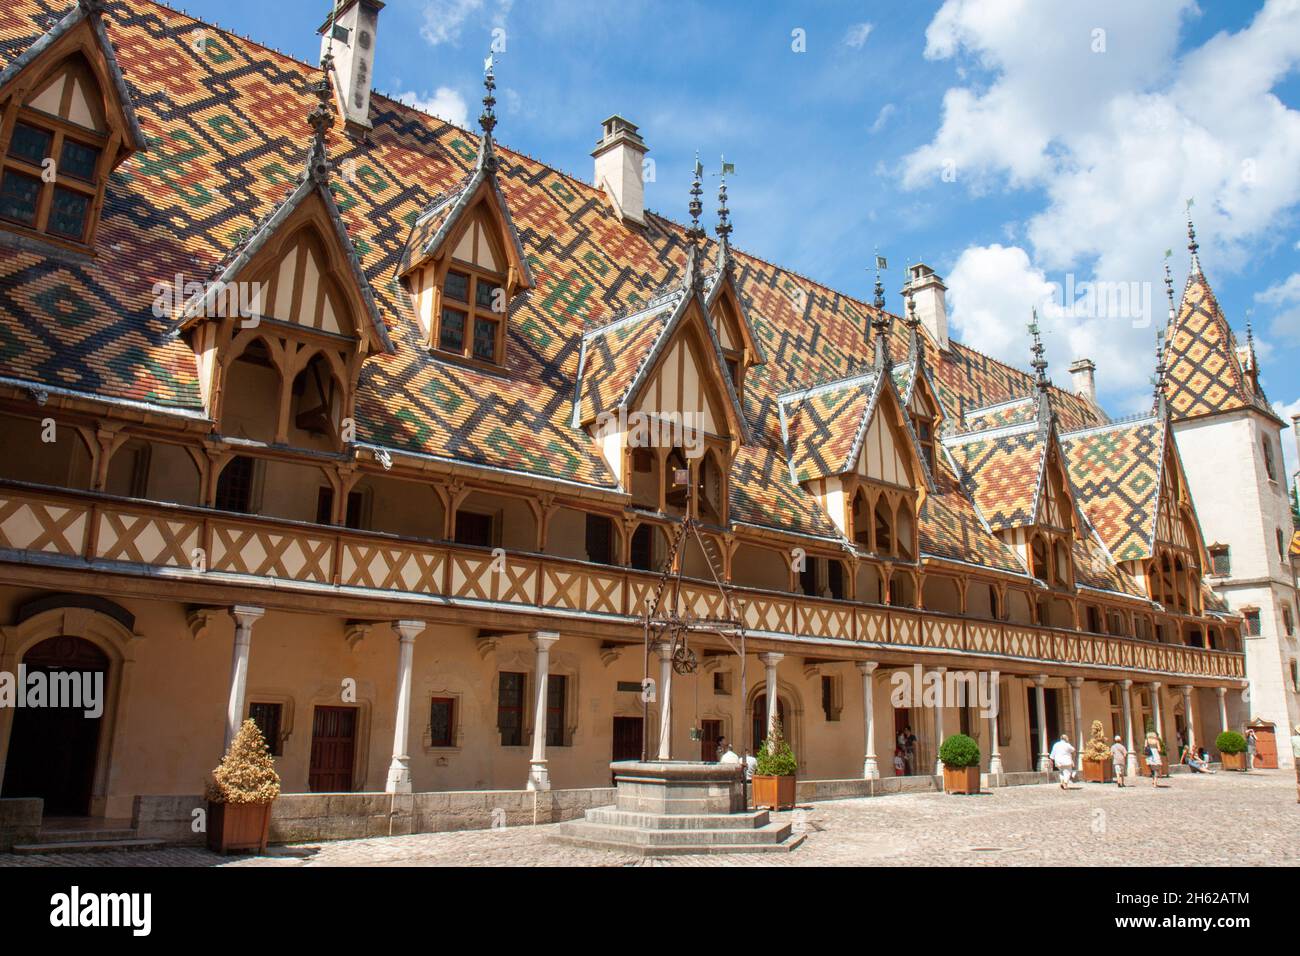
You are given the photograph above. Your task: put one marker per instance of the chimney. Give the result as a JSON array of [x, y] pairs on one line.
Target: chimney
[[1083, 371], [1295, 426], [619, 154], [931, 306], [353, 48]]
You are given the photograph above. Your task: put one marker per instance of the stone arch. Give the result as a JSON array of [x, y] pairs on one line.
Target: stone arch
[[790, 706], [101, 623]]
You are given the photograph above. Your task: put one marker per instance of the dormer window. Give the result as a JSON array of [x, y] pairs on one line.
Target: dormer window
[[56, 162], [473, 308]]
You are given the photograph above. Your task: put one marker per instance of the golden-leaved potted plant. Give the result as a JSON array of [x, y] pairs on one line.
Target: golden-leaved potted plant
[[240, 794], [1098, 767], [774, 772]]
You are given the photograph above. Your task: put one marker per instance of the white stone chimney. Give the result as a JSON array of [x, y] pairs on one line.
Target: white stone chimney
[[353, 47], [931, 305], [619, 154], [1084, 373], [1295, 426]]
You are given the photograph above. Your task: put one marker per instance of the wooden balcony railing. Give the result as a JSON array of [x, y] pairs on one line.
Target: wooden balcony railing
[[87, 527]]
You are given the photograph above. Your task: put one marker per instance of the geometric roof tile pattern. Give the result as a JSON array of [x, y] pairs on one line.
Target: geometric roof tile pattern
[[1116, 473], [1204, 371], [822, 425], [1003, 469], [227, 130]]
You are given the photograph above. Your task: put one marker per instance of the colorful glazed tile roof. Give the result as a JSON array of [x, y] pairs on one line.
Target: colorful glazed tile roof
[[1002, 468], [1094, 569], [1204, 368], [226, 123], [822, 426], [1116, 473]]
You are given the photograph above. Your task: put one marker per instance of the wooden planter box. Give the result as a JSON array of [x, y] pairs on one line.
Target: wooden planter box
[[1098, 771], [238, 826], [961, 779], [773, 793], [1233, 761]]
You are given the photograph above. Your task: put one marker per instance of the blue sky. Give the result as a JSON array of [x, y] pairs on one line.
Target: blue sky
[[1009, 145]]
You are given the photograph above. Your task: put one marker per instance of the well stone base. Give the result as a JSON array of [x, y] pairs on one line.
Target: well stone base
[[675, 807]]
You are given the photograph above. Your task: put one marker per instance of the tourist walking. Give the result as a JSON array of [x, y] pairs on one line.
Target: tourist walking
[[1154, 760], [1062, 757], [1252, 745], [1295, 752], [1119, 758]]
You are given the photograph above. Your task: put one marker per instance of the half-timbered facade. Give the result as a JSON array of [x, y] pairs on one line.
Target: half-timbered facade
[[379, 433]]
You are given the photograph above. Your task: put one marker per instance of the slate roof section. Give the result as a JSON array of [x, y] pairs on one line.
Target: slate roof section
[[823, 426], [1002, 468]]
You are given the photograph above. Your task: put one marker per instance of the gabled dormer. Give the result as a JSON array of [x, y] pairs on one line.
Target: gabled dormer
[[66, 122], [740, 347], [463, 263], [654, 395], [850, 447], [281, 331], [1178, 557]]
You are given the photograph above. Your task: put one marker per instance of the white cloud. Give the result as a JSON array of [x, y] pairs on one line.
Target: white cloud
[[1115, 140], [443, 19], [857, 35], [882, 118], [1284, 298], [445, 103]]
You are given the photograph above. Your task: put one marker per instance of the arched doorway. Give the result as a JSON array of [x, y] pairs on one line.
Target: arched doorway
[[758, 732], [53, 750]]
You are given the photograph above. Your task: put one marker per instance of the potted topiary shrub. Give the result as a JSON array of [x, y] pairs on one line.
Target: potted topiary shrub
[[960, 756], [1097, 764], [1232, 750], [774, 772], [240, 794]]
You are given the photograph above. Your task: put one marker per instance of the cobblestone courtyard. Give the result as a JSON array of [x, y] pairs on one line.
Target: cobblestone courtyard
[[1229, 819]]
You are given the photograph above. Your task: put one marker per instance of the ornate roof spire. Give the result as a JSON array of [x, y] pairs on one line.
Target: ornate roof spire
[[487, 120], [694, 278], [879, 301], [723, 228], [321, 118], [1039, 364], [880, 325], [913, 325], [1192, 245]]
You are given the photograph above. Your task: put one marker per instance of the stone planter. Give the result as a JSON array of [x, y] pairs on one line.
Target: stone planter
[[961, 779], [774, 793], [238, 826], [1233, 761], [1098, 771]]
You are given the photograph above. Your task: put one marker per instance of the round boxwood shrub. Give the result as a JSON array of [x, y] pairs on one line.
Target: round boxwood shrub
[[959, 751], [1230, 742]]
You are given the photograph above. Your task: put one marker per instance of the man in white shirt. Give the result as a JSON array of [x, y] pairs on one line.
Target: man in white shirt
[[729, 756], [1062, 757], [1119, 760]]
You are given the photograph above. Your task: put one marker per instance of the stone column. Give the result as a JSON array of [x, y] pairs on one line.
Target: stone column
[[1044, 762], [870, 769], [1076, 703], [539, 777], [1223, 708], [1157, 717], [1131, 765], [938, 724], [665, 650], [770, 660], [995, 757], [399, 770], [1190, 716], [245, 616]]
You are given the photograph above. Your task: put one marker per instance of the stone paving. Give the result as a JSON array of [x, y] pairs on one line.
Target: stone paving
[[1229, 819]]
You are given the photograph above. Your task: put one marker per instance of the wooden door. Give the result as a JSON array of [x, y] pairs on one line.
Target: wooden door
[[1265, 748], [711, 734], [627, 738], [333, 749]]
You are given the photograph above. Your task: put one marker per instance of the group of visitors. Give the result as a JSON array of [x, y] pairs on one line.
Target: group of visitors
[[1063, 753], [905, 753]]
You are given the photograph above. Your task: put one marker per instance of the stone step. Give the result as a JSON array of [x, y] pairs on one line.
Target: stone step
[[611, 816], [86, 846], [767, 835], [85, 836], [680, 849]]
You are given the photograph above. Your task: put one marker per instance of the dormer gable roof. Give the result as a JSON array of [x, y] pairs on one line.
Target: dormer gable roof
[[722, 284], [81, 29], [1116, 470], [311, 199]]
